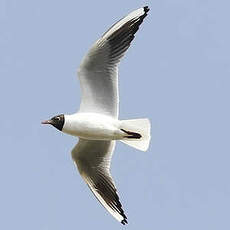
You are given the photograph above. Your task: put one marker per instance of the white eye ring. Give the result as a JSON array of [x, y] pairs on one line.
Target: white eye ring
[[57, 118]]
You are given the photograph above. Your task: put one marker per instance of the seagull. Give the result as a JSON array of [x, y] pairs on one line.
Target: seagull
[[96, 124]]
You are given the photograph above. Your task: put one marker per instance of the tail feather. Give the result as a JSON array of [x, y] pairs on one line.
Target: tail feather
[[136, 133]]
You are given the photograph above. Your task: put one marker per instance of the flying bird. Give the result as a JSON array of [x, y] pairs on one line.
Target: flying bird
[[96, 123]]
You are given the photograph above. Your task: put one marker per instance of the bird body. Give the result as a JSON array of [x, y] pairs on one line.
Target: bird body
[[96, 123], [93, 126]]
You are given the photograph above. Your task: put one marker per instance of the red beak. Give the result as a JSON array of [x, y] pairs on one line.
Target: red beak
[[48, 122]]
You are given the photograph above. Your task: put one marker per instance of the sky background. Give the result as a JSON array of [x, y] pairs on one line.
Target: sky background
[[176, 72]]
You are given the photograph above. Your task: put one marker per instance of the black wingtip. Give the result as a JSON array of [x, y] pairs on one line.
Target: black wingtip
[[146, 9], [124, 221]]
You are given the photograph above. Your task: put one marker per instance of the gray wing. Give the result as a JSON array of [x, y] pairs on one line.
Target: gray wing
[[98, 71], [93, 162]]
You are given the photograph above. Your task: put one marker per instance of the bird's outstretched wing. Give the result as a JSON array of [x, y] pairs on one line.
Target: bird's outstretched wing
[[93, 162], [98, 71]]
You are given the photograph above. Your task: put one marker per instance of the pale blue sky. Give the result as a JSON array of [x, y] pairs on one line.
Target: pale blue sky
[[177, 73]]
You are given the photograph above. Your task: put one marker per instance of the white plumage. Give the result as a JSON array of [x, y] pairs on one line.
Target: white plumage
[[96, 123], [98, 71]]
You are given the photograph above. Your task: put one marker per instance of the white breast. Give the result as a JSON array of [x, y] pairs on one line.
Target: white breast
[[92, 126]]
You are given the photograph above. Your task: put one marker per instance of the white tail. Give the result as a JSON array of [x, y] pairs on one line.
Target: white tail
[[140, 128]]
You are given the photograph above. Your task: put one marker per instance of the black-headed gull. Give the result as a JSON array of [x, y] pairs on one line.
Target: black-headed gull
[[96, 123]]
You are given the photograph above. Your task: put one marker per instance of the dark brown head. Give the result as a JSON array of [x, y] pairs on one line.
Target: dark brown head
[[57, 121]]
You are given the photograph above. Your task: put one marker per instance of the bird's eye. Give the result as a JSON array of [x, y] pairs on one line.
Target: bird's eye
[[57, 118]]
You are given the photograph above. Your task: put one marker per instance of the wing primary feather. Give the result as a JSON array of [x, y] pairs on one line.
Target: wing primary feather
[[93, 160], [98, 72]]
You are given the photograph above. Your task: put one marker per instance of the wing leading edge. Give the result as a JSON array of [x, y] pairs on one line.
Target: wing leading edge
[[98, 71]]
